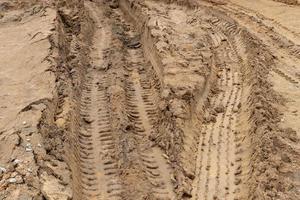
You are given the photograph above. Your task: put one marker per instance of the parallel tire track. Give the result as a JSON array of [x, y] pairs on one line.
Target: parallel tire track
[[231, 29], [97, 141], [286, 76], [142, 87], [144, 112], [216, 162], [98, 170]]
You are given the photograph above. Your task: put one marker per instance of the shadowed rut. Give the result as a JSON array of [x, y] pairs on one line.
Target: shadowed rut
[[141, 106], [142, 91], [99, 171]]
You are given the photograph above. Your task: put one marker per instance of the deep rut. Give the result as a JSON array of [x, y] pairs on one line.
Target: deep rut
[[119, 158], [142, 93], [99, 170], [100, 139], [217, 166]]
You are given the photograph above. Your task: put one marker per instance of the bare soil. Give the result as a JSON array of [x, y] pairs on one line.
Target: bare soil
[[147, 99]]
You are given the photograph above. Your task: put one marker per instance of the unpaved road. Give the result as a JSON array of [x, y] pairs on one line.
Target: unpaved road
[[150, 100]]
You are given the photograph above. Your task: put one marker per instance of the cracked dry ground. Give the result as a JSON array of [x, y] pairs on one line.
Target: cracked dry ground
[[172, 100]]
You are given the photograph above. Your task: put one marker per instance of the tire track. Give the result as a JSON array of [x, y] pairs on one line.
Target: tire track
[[86, 144], [98, 167], [286, 76], [233, 31], [142, 87], [217, 147], [290, 54], [144, 111], [99, 170]]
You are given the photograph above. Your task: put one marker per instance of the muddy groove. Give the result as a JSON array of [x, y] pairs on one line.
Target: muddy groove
[[142, 87], [130, 144], [96, 133], [217, 161]]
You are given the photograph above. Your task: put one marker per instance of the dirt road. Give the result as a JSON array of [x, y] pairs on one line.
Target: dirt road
[[156, 100]]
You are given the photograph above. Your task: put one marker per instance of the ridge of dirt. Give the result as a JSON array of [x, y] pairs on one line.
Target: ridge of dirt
[[177, 97]]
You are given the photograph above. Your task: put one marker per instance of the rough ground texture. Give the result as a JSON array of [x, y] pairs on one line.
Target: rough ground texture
[[146, 99], [289, 2]]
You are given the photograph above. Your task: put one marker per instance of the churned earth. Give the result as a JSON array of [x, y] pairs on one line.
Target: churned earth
[[148, 99]]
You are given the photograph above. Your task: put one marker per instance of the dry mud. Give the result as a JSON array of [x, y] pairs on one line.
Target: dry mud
[[144, 99]]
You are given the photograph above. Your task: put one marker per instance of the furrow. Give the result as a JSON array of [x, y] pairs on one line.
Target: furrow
[[97, 142], [216, 162], [142, 106]]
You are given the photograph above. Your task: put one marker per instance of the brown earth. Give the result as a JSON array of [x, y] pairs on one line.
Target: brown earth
[[289, 2], [147, 99]]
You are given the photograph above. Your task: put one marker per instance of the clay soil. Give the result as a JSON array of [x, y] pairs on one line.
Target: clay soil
[[149, 99]]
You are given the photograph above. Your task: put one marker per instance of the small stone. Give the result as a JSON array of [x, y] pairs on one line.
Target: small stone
[[28, 147], [24, 122], [39, 145], [16, 162], [165, 93], [2, 170], [173, 179], [238, 172], [166, 156], [87, 120], [12, 180]]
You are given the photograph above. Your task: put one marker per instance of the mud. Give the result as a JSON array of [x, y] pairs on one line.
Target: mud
[[141, 99]]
